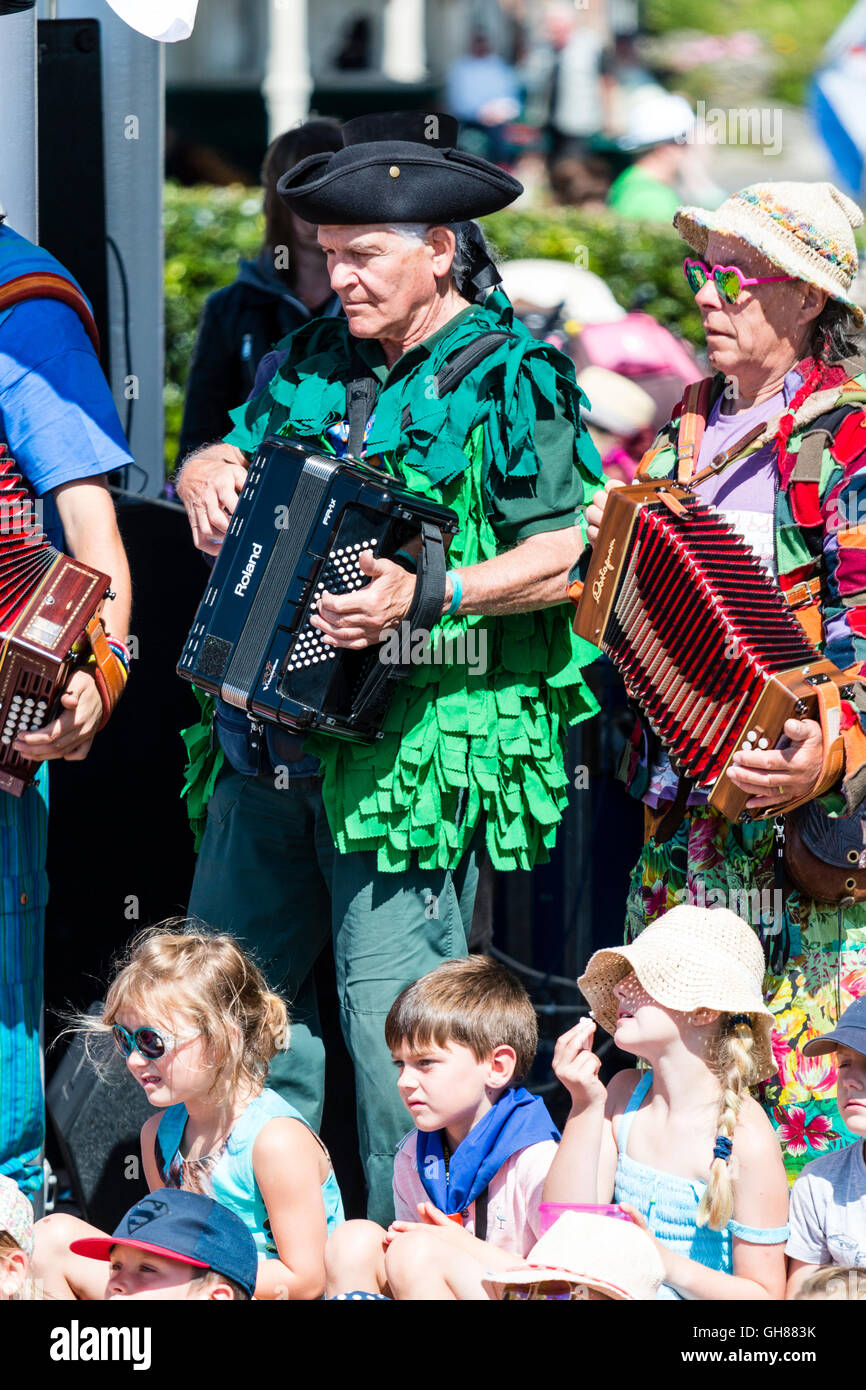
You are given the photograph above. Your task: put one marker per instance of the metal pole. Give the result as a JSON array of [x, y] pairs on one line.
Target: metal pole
[[18, 115]]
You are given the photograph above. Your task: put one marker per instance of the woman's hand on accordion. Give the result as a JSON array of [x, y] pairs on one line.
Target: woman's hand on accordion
[[359, 619], [71, 733], [783, 775], [208, 486], [595, 510]]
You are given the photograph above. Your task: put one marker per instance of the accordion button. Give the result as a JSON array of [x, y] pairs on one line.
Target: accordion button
[[752, 735], [763, 743], [5, 739], [23, 899]]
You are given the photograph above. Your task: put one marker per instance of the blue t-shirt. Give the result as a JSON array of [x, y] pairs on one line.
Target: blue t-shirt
[[57, 415]]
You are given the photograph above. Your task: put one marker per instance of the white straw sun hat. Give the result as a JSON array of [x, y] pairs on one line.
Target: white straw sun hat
[[691, 958], [806, 229], [601, 1252]]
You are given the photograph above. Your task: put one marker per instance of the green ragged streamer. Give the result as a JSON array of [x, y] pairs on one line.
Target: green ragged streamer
[[308, 396], [479, 736], [461, 745], [204, 760]]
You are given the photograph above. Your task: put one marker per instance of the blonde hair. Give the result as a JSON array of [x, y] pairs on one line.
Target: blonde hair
[[734, 1064], [474, 1001], [181, 967], [28, 1290], [834, 1282]]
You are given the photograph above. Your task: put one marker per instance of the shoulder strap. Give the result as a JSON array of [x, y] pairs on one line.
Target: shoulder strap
[[819, 436], [462, 363], [46, 285], [693, 420], [634, 1102], [481, 1215], [363, 389], [169, 1133]]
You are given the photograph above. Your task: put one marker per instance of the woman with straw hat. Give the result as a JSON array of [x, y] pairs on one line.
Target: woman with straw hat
[[787, 407], [683, 1147]]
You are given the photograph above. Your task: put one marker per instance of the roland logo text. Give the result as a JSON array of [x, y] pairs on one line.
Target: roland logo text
[[247, 573]]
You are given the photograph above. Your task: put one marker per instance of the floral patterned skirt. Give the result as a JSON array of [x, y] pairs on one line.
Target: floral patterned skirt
[[816, 963]]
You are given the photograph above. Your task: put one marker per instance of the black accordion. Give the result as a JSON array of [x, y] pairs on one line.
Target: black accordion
[[301, 522]]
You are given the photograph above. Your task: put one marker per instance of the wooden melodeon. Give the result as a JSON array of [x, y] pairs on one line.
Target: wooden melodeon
[[48, 605], [706, 645]]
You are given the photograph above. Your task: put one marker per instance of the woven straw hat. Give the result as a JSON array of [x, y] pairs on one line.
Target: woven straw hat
[[617, 1257], [806, 229], [691, 958]]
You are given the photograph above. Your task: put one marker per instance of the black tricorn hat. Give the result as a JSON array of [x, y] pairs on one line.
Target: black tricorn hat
[[397, 166]]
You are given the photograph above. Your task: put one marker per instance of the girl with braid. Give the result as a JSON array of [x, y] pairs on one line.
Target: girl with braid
[[683, 1146]]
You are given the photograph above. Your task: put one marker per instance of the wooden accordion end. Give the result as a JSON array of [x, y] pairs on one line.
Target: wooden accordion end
[[47, 601], [707, 647]]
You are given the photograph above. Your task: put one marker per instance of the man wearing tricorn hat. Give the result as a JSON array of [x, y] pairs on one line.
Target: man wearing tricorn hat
[[389, 833]]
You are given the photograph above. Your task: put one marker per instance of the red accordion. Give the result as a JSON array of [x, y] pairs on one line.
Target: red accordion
[[707, 647], [49, 616]]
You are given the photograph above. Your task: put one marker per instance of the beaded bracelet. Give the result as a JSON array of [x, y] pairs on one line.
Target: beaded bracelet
[[121, 651]]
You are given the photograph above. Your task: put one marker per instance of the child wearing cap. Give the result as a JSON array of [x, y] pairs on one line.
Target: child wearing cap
[[462, 1038], [683, 1145], [16, 1243], [176, 1245], [828, 1203]]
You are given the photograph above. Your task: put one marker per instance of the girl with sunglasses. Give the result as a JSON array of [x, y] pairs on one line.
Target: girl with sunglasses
[[197, 1026]]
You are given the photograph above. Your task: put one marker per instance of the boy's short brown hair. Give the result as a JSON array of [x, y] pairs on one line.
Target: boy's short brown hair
[[476, 1002]]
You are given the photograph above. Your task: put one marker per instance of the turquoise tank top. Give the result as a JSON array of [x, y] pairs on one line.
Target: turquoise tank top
[[230, 1180], [670, 1203]]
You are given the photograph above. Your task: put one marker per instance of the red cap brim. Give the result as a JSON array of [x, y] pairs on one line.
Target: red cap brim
[[100, 1247]]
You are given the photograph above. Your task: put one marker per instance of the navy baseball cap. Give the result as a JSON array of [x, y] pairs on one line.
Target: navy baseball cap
[[183, 1226], [850, 1031]]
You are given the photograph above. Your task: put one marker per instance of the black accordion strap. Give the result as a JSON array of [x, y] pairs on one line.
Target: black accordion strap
[[360, 398], [363, 389], [461, 364]]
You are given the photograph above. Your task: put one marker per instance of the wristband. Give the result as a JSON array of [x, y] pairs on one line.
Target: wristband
[[121, 651], [456, 594]]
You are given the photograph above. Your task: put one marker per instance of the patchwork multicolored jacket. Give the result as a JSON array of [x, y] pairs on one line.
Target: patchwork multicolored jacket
[[819, 541]]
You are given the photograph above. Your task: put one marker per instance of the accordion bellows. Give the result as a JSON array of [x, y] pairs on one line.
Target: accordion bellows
[[706, 645], [47, 601]]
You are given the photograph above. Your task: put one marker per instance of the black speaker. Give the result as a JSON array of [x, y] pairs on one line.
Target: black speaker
[[71, 175], [97, 1121]]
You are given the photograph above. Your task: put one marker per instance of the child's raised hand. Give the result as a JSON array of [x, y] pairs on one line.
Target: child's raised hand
[[577, 1067]]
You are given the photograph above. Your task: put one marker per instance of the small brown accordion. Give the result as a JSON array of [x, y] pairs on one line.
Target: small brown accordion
[[707, 647], [47, 602]]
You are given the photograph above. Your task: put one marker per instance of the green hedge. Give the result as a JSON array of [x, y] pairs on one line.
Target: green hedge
[[641, 264], [207, 230]]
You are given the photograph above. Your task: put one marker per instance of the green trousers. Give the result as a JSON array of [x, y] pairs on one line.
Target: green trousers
[[269, 873]]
